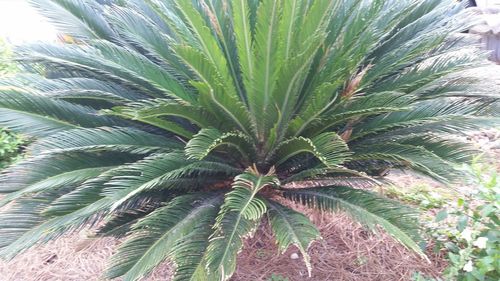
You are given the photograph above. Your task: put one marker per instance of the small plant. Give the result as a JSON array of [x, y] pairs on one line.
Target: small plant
[[470, 230], [423, 196], [9, 148], [7, 66], [419, 276], [9, 142], [277, 277]]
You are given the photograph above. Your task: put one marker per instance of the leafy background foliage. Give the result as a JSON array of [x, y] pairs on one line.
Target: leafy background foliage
[[182, 124], [9, 143]]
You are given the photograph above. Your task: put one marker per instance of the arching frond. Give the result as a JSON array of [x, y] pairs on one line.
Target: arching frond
[[416, 157], [329, 148], [237, 219], [369, 209], [38, 115], [104, 138], [292, 228], [79, 18], [164, 171], [208, 140], [161, 108], [178, 231]]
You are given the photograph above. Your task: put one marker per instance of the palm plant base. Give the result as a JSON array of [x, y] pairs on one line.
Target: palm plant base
[[181, 125]]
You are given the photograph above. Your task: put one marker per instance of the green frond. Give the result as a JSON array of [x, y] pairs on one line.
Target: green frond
[[369, 209], [243, 38], [329, 148], [213, 93], [38, 115], [84, 195], [208, 45], [166, 108], [72, 88], [71, 178], [448, 147], [79, 18], [361, 106], [292, 228], [158, 122], [104, 138], [164, 171], [237, 219], [177, 231], [105, 59], [430, 69], [409, 155], [139, 66], [21, 217], [37, 169], [266, 64], [207, 140], [217, 14], [119, 224], [424, 112], [147, 36]]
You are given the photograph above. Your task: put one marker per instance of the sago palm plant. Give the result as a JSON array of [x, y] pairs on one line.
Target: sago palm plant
[[184, 125]]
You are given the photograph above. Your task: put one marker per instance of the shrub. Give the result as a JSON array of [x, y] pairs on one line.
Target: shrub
[[182, 124], [9, 143], [9, 148], [7, 67], [469, 229]]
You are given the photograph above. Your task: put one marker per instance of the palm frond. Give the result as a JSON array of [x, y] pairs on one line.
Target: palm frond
[[177, 231], [104, 138], [79, 18], [164, 171], [208, 140], [292, 228], [371, 210], [237, 219], [158, 108], [38, 115], [329, 148]]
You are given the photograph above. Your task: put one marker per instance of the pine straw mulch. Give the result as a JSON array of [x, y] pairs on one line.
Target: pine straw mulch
[[346, 252]]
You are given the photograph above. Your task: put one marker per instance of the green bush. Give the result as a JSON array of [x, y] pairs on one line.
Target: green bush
[[470, 231], [9, 143], [7, 66], [422, 196], [184, 125], [9, 148]]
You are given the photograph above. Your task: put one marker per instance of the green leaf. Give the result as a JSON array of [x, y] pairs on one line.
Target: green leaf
[[369, 209], [266, 64], [162, 108], [441, 215], [238, 218], [104, 138], [163, 171], [78, 18], [329, 148], [179, 231], [208, 140], [243, 37], [38, 115], [292, 228]]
